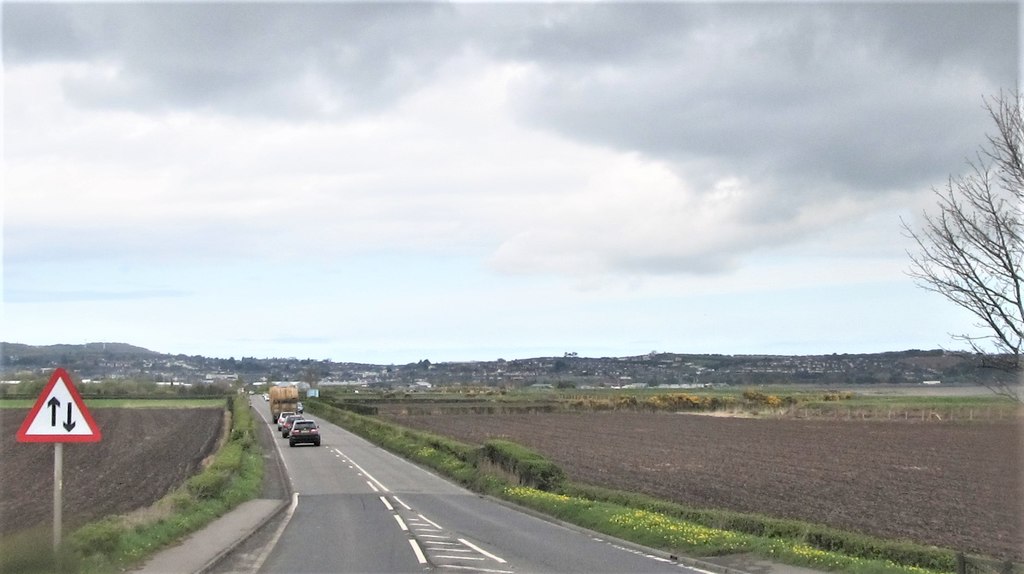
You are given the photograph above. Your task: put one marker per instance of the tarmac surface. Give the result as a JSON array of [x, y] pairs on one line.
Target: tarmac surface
[[229, 544]]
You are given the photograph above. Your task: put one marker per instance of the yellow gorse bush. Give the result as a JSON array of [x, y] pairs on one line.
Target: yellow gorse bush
[[677, 532], [826, 560], [526, 493]]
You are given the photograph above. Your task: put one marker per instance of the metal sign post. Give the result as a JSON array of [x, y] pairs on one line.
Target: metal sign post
[[58, 493]]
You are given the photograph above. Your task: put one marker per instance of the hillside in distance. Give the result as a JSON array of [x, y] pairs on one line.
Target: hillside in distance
[[88, 349], [99, 361]]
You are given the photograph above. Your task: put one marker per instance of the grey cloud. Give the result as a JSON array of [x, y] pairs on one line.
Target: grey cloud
[[251, 58], [234, 58], [848, 96], [981, 35]]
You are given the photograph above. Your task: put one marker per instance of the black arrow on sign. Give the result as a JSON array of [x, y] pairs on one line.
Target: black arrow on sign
[[69, 425], [54, 404]]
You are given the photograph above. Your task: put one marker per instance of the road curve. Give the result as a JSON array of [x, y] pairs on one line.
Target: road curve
[[359, 508]]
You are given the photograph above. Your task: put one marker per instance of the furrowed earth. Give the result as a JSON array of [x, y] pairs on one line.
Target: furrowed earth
[[143, 455], [951, 484]]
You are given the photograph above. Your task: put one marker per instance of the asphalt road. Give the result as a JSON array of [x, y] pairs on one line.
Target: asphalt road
[[358, 508]]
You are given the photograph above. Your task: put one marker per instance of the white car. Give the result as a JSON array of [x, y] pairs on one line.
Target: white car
[[282, 416]]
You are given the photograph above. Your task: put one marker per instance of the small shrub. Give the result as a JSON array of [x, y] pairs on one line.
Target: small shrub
[[103, 537], [182, 501], [209, 484], [626, 402], [762, 399]]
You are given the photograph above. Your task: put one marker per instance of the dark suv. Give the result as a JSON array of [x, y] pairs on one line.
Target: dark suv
[[304, 431], [286, 425]]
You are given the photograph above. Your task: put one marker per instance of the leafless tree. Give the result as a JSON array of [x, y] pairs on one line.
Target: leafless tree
[[970, 250]]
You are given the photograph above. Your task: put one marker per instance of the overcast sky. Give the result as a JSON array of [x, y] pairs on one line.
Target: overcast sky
[[388, 183]]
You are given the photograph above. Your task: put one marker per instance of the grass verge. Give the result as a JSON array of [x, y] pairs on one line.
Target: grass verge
[[116, 543], [523, 477]]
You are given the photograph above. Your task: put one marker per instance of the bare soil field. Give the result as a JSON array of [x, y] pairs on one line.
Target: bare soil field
[[956, 485], [143, 455]]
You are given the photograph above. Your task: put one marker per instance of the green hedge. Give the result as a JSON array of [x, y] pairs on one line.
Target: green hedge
[[358, 408], [529, 467]]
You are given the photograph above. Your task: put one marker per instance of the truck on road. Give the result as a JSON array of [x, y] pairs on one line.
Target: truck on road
[[283, 399]]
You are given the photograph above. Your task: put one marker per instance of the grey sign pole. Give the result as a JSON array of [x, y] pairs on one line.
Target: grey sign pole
[[58, 488]]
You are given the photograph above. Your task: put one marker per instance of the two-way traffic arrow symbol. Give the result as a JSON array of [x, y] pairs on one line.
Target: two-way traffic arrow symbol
[[54, 404]]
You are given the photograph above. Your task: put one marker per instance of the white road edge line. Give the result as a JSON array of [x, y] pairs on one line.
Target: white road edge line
[[419, 553], [277, 535], [482, 551], [404, 505], [373, 486]]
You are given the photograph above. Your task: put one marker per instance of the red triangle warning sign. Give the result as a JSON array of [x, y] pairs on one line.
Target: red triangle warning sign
[[59, 415]]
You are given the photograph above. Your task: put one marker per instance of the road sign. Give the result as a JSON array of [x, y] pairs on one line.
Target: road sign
[[59, 415]]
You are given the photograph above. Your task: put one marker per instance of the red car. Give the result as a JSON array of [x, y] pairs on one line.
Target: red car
[[286, 425]]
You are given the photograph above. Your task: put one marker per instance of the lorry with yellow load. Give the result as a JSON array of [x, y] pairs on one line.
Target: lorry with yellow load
[[283, 399]]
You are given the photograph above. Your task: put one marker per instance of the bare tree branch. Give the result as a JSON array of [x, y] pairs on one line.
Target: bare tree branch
[[971, 250]]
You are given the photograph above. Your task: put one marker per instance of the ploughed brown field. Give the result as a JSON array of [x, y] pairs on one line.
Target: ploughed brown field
[[956, 485], [143, 455]]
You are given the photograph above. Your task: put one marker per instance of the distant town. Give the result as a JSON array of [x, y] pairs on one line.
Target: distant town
[[99, 362]]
